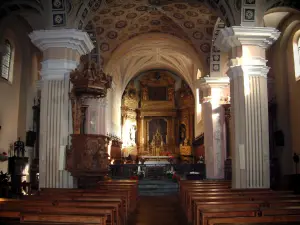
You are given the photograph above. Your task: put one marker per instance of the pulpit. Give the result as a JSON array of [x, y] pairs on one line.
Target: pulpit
[[87, 158]]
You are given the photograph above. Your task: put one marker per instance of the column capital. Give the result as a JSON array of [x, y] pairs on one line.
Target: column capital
[[249, 70], [62, 38], [212, 82], [235, 36]]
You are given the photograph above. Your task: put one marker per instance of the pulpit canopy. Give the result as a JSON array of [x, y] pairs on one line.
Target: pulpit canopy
[[90, 80]]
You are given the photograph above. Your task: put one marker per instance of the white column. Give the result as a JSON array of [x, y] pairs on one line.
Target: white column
[[214, 122], [61, 51], [248, 86]]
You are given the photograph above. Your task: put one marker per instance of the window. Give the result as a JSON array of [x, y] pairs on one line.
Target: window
[[6, 62]]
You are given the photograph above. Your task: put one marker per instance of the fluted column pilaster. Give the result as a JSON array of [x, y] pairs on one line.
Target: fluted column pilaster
[[213, 96], [249, 102], [61, 53]]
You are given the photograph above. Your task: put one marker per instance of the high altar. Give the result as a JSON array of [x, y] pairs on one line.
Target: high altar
[[157, 116]]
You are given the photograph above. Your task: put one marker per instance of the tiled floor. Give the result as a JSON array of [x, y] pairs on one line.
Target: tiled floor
[[158, 210]]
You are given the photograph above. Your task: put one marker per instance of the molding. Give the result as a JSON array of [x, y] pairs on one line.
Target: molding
[[212, 82], [57, 69], [62, 38], [235, 36], [248, 70]]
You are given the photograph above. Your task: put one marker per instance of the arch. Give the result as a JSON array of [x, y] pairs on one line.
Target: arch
[[155, 50]]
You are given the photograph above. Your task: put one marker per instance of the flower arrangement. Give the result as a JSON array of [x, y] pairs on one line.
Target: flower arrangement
[[4, 178], [3, 156], [170, 173], [175, 177], [134, 177]]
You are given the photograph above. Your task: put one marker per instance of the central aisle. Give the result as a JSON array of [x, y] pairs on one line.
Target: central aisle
[[158, 210]]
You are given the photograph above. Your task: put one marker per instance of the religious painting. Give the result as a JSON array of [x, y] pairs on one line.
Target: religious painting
[[158, 125], [157, 93]]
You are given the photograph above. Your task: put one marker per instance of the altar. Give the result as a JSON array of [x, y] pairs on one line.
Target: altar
[[155, 160]]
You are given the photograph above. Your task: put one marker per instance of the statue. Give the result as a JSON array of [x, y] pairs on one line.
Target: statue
[[170, 94], [145, 93], [182, 133], [19, 147]]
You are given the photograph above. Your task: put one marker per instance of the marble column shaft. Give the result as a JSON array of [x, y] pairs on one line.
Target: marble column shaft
[[54, 134], [250, 122]]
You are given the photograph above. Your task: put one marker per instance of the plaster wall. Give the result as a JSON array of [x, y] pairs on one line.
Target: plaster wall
[[287, 92], [15, 110]]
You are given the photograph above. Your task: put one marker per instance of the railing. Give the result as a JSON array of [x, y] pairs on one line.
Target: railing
[[156, 170]]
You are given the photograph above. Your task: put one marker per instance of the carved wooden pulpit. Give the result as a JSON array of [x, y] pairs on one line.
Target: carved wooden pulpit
[[87, 158]]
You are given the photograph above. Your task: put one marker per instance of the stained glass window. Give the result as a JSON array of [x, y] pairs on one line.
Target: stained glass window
[[6, 61]]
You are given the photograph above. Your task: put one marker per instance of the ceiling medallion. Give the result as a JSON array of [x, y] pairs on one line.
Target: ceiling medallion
[[131, 15], [180, 6], [121, 24], [205, 47], [189, 24]]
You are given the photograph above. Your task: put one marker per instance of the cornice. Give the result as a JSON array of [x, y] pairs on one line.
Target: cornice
[[212, 82], [62, 38], [231, 37]]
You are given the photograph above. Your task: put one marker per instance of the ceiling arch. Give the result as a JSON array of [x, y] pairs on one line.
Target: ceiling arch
[[28, 9], [153, 51], [112, 22]]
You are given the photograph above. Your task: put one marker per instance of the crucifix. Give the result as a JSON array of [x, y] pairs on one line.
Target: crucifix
[[19, 147]]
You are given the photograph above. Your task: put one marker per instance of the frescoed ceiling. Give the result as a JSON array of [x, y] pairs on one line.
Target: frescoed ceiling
[[112, 24]]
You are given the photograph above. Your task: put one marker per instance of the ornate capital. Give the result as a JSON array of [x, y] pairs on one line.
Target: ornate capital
[[231, 37], [62, 38]]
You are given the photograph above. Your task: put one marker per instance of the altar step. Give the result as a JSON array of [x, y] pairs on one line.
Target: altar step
[[157, 187]]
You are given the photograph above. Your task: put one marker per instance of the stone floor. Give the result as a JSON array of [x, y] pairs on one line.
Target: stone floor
[[158, 210]]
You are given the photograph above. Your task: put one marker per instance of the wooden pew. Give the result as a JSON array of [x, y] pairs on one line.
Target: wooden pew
[[104, 206], [77, 195], [253, 220], [106, 211], [249, 212], [235, 198], [200, 206]]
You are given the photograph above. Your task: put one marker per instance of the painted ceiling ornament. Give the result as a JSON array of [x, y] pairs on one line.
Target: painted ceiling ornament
[[118, 13], [104, 11], [205, 47], [189, 24], [112, 34], [142, 8], [180, 6], [178, 16], [198, 35], [57, 4], [129, 6], [121, 24], [131, 15], [104, 47], [192, 14], [167, 8]]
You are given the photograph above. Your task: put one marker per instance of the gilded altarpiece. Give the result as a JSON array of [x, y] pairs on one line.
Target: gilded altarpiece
[[156, 115]]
